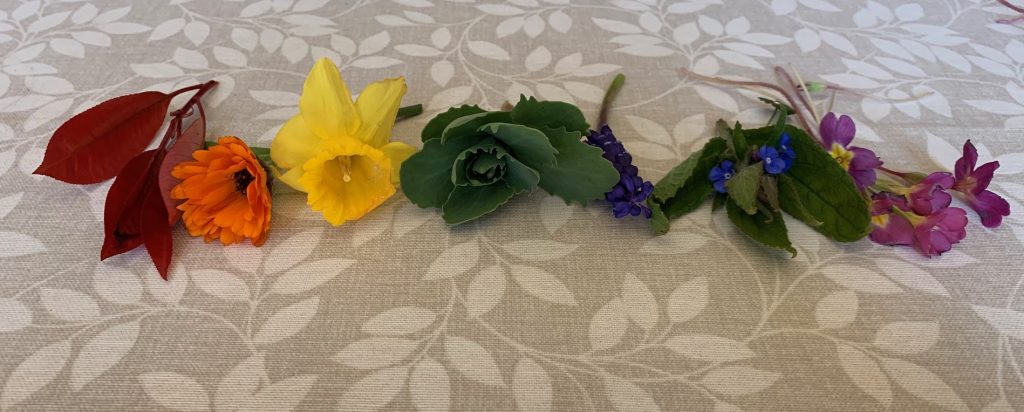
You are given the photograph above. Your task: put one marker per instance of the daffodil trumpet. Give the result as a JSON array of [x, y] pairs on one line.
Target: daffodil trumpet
[[338, 150]]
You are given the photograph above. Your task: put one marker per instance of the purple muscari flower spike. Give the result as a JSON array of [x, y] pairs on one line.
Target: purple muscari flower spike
[[972, 183], [836, 135], [629, 196]]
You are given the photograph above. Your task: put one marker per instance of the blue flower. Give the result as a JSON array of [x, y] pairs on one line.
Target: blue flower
[[720, 174], [629, 196], [772, 160], [786, 151]]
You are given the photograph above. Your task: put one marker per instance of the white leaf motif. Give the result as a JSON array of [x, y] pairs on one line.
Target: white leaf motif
[[688, 300], [35, 372], [538, 250], [1006, 321], [287, 322], [739, 380], [923, 384], [375, 353], [837, 310], [608, 325], [709, 348], [454, 261], [222, 285], [907, 337], [69, 305], [310, 275], [542, 285], [485, 291], [865, 373], [175, 391], [103, 352], [639, 302], [400, 321], [429, 386], [627, 397], [375, 391], [472, 360], [531, 386], [14, 315]]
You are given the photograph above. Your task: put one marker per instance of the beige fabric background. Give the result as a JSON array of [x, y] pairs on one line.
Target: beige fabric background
[[538, 306]]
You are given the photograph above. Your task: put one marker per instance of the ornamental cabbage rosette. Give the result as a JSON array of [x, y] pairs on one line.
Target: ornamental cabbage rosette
[[473, 161]]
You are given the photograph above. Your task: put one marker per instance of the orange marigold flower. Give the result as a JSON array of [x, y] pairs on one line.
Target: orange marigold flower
[[226, 193]]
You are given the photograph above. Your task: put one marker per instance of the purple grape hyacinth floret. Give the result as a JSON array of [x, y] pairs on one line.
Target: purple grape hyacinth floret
[[629, 196]]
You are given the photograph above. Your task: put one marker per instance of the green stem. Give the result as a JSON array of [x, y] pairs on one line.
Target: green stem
[[609, 96], [408, 111]]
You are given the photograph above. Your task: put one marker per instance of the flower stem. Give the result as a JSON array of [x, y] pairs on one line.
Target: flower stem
[[408, 111], [609, 96], [1006, 3]]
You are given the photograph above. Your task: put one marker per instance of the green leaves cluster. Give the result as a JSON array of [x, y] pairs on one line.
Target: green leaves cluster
[[815, 190], [474, 161]]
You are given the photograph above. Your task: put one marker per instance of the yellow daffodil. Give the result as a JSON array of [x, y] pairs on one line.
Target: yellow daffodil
[[337, 150]]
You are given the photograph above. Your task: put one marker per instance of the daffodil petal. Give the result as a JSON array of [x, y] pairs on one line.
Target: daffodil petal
[[294, 144], [326, 105], [292, 177], [378, 105], [397, 152]]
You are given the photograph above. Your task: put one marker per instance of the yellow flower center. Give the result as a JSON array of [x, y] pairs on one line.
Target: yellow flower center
[[880, 220], [843, 157]]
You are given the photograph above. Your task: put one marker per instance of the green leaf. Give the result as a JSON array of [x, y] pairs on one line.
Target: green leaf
[[580, 173], [436, 126], [659, 222], [470, 202], [427, 175], [552, 115], [686, 186], [698, 165], [520, 176], [744, 185], [530, 146], [739, 143], [770, 190], [768, 230], [483, 156], [818, 190], [466, 125]]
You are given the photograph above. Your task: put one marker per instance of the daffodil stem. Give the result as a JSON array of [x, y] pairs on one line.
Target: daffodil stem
[[408, 111], [609, 96]]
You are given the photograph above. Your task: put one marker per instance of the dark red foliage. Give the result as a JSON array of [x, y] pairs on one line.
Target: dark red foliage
[[190, 140], [96, 144]]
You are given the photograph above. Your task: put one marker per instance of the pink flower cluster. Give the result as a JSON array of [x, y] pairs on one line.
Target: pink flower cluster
[[916, 212]]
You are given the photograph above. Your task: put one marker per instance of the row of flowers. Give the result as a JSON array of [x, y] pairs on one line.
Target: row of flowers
[[338, 151]]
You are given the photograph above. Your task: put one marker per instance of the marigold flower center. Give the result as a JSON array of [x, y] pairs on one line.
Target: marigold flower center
[[242, 179]]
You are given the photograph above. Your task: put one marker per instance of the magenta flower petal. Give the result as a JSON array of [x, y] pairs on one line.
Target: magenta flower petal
[[896, 231], [990, 207], [930, 196], [965, 165], [940, 231], [982, 176], [839, 130], [862, 166]]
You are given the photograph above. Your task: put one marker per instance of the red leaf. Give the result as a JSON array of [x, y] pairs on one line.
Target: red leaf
[[97, 143], [124, 197], [156, 233], [190, 140]]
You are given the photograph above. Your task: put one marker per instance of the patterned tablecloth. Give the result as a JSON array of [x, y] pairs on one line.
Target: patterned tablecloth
[[538, 306]]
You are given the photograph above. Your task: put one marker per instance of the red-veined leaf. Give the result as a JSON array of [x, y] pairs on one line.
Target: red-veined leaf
[[156, 233], [123, 197], [96, 144], [189, 141]]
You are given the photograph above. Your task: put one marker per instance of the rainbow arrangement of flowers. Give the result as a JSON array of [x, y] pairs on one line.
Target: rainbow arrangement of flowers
[[338, 150]]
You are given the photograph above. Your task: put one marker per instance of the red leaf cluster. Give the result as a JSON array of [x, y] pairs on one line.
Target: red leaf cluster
[[107, 141]]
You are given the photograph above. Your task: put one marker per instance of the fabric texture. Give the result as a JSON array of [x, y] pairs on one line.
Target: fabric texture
[[539, 306]]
